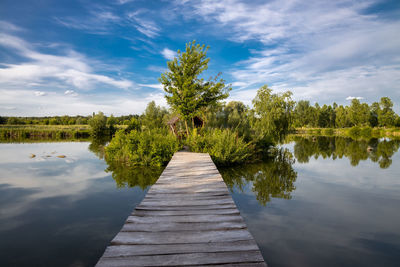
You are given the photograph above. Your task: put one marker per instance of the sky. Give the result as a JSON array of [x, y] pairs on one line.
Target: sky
[[77, 57]]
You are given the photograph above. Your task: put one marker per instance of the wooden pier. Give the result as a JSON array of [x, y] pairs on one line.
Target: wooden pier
[[187, 218]]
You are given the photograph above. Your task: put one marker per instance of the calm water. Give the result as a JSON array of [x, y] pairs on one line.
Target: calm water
[[319, 202]]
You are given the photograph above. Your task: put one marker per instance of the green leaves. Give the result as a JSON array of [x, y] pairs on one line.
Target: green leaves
[[146, 148], [273, 113], [224, 146], [187, 93]]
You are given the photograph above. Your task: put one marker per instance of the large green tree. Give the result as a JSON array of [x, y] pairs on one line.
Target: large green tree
[[386, 115], [187, 92], [273, 113]]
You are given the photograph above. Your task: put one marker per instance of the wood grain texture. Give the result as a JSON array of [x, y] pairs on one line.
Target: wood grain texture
[[187, 218]]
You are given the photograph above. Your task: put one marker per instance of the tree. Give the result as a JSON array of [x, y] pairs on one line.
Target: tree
[[154, 115], [187, 93], [273, 112], [341, 119], [303, 113], [386, 116], [98, 124]]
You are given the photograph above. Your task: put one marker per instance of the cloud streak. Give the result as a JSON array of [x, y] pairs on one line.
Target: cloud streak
[[71, 69]]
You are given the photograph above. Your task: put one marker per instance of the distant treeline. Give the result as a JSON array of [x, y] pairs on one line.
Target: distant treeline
[[378, 114], [61, 120]]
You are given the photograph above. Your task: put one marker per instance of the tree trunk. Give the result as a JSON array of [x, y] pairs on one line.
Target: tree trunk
[[187, 129]]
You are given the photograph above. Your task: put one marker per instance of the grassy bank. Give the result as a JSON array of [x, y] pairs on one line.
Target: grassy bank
[[44, 131], [353, 132]]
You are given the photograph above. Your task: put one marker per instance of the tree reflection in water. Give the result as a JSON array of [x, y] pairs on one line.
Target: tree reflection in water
[[273, 178], [376, 150], [125, 176]]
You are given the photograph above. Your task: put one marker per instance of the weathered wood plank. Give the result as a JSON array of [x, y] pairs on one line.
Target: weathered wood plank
[[132, 250], [174, 237], [185, 259], [178, 202], [184, 218], [183, 226], [144, 212], [187, 218], [186, 207]]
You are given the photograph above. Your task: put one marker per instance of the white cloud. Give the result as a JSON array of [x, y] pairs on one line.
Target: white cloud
[[40, 93], [144, 26], [168, 53], [354, 97], [70, 93], [98, 21], [158, 86]]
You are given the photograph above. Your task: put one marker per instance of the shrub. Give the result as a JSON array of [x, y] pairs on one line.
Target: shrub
[[224, 146], [147, 148], [328, 131], [354, 132], [366, 132]]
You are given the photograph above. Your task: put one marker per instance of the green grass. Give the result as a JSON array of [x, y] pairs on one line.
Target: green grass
[[13, 132], [353, 132]]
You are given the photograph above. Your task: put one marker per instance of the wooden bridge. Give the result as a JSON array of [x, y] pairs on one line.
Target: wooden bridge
[[187, 218]]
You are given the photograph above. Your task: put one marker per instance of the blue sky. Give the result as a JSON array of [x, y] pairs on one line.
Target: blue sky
[[75, 57]]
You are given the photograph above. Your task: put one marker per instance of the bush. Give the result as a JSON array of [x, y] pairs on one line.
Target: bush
[[354, 132], [98, 124], [147, 148], [328, 131], [366, 132], [224, 146]]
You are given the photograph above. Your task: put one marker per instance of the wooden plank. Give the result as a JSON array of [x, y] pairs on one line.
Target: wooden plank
[[186, 207], [187, 218], [178, 202], [185, 259], [184, 218], [132, 250], [173, 237], [144, 212], [183, 226]]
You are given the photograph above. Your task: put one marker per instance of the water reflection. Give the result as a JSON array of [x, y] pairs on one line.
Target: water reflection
[[123, 175], [379, 151], [70, 204], [126, 176], [273, 178]]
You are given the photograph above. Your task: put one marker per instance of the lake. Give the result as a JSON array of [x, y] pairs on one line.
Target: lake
[[325, 201]]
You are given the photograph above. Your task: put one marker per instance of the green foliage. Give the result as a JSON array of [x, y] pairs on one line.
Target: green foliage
[[303, 114], [153, 116], [187, 93], [328, 131], [43, 132], [133, 124], [273, 113], [98, 124], [224, 146], [233, 116], [386, 116], [354, 132], [146, 148]]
